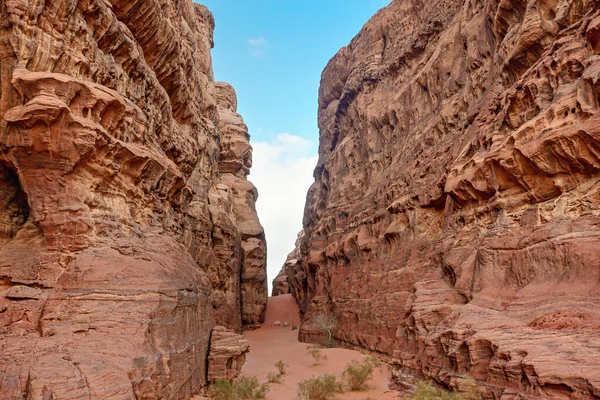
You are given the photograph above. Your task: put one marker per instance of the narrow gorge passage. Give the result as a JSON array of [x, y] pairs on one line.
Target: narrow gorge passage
[[269, 344], [448, 215]]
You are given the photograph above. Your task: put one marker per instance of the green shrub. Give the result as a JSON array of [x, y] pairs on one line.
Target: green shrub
[[240, 389], [316, 354], [374, 361], [273, 377], [221, 389], [322, 387], [469, 389], [426, 391], [357, 374]]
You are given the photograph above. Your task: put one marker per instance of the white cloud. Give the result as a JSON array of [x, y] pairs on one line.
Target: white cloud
[[282, 171], [258, 46]]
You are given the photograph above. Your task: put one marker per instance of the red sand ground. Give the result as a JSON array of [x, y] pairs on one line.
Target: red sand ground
[[270, 344]]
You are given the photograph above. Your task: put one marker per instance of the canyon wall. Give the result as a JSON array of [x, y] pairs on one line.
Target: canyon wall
[[127, 225], [453, 225]]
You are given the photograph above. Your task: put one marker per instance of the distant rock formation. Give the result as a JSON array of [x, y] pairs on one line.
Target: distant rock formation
[[454, 222], [127, 225], [238, 237], [281, 283]]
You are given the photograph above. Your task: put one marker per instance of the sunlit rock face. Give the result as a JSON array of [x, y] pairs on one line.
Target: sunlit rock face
[[454, 222], [239, 237], [110, 166], [281, 283]]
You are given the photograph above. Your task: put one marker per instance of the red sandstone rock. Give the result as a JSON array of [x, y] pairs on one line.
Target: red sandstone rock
[[281, 283], [115, 213], [234, 164], [227, 354], [453, 224]]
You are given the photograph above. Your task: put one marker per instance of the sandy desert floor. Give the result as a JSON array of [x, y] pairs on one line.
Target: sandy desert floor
[[270, 344]]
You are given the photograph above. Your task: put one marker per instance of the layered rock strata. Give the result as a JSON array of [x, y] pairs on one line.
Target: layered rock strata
[[281, 284], [454, 220], [227, 354], [109, 226], [239, 238]]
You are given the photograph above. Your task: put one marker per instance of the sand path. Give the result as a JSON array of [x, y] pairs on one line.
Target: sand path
[[271, 344]]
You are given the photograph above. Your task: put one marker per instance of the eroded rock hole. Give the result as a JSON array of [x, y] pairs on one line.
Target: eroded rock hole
[[593, 37], [14, 209]]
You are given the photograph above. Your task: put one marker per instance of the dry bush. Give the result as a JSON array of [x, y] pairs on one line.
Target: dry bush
[[323, 387], [273, 377], [356, 374], [240, 389], [328, 323], [316, 354], [281, 367], [426, 391], [277, 377]]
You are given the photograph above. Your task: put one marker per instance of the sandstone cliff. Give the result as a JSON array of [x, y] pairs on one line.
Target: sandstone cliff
[[124, 236], [281, 284], [454, 222]]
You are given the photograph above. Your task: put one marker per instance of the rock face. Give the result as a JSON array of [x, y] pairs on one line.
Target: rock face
[[116, 210], [239, 237], [227, 354], [281, 283], [454, 221]]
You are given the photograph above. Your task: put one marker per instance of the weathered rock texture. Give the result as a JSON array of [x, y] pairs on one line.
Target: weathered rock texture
[[454, 221], [281, 283], [227, 354], [239, 238], [111, 191]]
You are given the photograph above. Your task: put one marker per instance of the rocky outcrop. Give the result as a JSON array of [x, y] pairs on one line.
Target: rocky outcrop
[[453, 224], [109, 221], [281, 283], [240, 235], [227, 354]]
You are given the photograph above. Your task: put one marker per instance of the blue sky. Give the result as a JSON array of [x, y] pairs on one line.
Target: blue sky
[[273, 53]]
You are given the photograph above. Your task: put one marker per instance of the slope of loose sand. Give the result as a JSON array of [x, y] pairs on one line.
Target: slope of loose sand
[[270, 344]]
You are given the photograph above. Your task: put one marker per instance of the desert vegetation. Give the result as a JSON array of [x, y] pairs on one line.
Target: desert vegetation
[[426, 391], [328, 323], [357, 374], [243, 388], [317, 354], [277, 377], [323, 387]]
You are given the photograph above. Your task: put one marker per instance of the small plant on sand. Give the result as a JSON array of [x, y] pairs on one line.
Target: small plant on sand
[[277, 377], [240, 389], [328, 323], [281, 367], [273, 377], [317, 355], [323, 387], [356, 374]]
